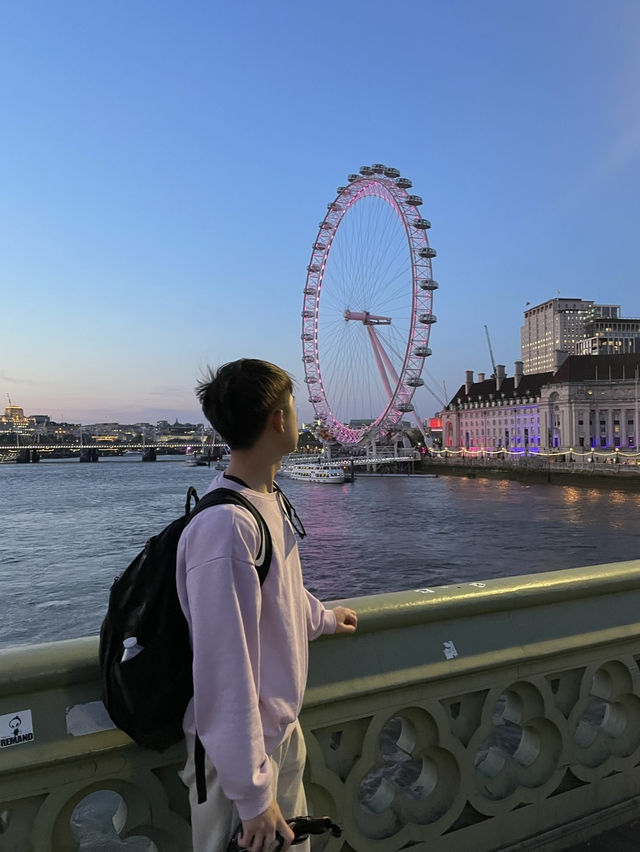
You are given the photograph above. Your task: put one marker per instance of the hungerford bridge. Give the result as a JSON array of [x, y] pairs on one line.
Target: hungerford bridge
[[31, 452]]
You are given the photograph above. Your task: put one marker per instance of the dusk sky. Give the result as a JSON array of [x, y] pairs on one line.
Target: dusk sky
[[165, 166]]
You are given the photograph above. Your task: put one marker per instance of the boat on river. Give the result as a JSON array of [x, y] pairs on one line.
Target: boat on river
[[319, 473], [223, 462], [195, 459]]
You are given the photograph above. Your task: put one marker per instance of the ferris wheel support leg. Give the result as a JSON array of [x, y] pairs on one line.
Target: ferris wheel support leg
[[414, 414], [385, 359], [379, 355], [394, 376], [389, 365]]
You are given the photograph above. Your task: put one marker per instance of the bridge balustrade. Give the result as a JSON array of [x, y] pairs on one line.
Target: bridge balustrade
[[500, 715]]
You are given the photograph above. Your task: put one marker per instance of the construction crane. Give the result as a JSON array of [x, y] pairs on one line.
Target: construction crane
[[435, 395], [493, 360]]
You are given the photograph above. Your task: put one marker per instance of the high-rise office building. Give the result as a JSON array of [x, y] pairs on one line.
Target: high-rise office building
[[558, 328], [607, 333]]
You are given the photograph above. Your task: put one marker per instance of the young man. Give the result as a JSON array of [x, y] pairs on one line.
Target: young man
[[250, 651]]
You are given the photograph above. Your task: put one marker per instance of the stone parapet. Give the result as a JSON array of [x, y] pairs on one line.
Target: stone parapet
[[500, 715]]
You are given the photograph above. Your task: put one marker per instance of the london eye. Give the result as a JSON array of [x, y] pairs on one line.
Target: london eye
[[367, 308]]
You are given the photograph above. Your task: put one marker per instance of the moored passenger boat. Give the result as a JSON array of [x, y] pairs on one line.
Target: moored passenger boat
[[318, 473]]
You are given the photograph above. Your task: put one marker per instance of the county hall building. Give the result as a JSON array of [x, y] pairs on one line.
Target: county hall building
[[585, 402]]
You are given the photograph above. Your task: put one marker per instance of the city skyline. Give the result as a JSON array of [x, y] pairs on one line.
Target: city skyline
[[166, 170]]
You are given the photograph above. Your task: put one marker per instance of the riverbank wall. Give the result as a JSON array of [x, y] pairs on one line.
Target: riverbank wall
[[556, 470]]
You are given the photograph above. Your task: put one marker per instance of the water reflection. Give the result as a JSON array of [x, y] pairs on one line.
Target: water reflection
[[393, 534], [66, 530]]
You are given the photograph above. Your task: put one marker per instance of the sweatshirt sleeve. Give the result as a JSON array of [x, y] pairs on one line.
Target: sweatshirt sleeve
[[319, 619], [224, 601]]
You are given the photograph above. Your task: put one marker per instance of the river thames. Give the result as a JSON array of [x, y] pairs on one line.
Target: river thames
[[67, 529]]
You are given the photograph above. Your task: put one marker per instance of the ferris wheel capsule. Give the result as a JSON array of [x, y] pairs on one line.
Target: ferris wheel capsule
[[366, 171], [428, 284], [427, 319], [377, 168], [422, 224], [351, 178], [390, 172], [414, 200], [404, 183], [415, 381], [427, 252], [340, 189], [422, 351]]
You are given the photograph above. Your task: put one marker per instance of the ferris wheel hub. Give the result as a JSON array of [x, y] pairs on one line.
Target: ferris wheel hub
[[366, 318]]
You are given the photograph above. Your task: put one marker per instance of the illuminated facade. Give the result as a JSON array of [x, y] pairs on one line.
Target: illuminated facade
[[592, 402], [489, 414], [588, 402], [14, 419], [562, 327], [552, 327], [610, 336]]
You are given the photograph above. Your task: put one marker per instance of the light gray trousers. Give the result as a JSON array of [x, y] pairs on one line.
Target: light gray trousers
[[214, 822]]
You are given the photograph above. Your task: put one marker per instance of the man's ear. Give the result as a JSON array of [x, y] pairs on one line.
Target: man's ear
[[277, 419]]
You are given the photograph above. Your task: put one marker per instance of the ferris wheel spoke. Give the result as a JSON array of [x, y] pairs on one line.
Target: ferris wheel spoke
[[384, 259]]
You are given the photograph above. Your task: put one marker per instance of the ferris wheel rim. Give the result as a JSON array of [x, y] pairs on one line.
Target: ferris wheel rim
[[386, 184]]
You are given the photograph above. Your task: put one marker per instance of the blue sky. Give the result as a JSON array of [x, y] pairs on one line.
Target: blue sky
[[165, 167]]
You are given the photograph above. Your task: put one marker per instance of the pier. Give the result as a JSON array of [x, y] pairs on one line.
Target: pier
[[495, 716]]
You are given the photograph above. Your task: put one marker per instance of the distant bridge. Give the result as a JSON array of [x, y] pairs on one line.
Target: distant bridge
[[169, 445]]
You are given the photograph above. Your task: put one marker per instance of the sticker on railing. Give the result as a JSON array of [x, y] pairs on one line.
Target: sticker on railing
[[16, 728], [449, 649], [87, 718], [425, 591]]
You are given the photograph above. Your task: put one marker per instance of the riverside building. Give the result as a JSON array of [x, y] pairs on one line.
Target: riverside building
[[586, 402], [561, 327], [610, 335]]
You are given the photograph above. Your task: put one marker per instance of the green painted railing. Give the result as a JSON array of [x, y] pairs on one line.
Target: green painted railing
[[484, 716]]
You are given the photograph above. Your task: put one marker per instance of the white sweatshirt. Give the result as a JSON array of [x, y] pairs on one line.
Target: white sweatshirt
[[250, 653]]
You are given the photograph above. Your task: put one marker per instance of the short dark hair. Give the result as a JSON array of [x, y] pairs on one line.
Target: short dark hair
[[238, 397]]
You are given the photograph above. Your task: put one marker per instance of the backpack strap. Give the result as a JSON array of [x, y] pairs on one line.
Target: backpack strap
[[201, 776], [224, 496]]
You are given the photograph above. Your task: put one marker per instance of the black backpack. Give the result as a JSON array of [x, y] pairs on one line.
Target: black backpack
[[147, 695]]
